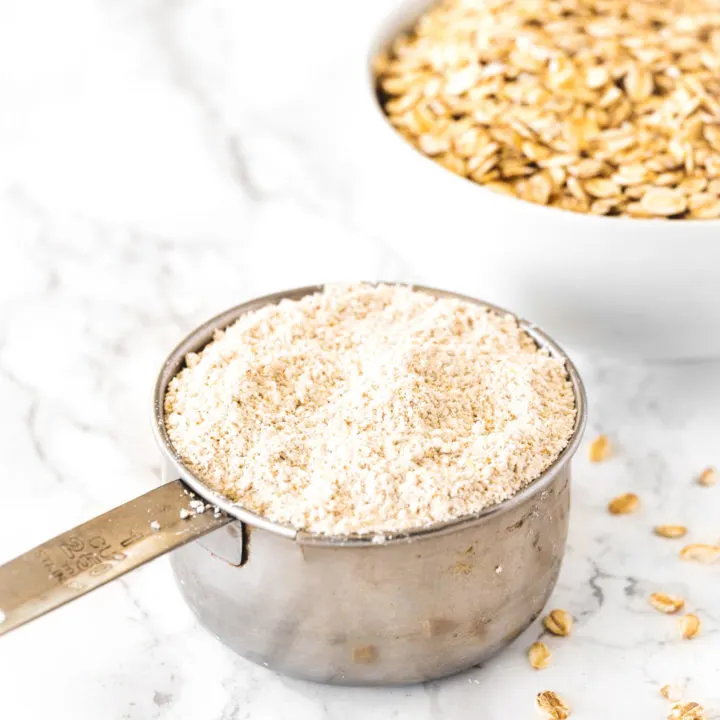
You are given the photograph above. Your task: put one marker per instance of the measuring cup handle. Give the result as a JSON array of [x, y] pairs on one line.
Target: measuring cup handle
[[100, 550]]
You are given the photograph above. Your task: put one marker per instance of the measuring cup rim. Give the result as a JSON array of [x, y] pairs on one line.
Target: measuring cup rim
[[203, 334]]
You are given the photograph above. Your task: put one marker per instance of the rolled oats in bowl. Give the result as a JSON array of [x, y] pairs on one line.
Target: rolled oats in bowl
[[364, 409], [609, 107]]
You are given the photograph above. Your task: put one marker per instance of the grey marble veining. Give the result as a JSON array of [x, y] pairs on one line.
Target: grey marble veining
[[160, 161]]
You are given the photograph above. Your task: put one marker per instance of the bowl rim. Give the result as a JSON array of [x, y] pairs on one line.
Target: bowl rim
[[203, 334], [402, 17]]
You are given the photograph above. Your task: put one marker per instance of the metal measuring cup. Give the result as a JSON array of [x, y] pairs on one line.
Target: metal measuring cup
[[422, 604]]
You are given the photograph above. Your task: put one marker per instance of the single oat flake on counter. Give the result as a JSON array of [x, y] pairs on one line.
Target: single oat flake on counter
[[363, 409]]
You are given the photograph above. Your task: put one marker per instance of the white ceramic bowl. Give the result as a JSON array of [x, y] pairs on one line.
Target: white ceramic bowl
[[619, 286]]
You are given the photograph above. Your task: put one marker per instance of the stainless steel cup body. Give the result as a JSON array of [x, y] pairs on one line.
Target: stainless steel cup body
[[405, 611]]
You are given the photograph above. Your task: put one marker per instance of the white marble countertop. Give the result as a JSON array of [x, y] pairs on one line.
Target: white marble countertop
[[160, 161]]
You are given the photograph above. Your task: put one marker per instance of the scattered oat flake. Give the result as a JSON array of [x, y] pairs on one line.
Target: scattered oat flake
[[558, 622], [155, 525], [624, 504], [671, 692], [702, 553], [599, 449], [603, 207], [708, 477], [663, 202], [708, 211], [602, 188], [670, 531], [689, 626], [539, 655], [665, 603], [687, 711], [551, 706], [184, 514]]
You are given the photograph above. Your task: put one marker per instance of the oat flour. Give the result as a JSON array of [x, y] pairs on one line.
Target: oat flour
[[370, 409]]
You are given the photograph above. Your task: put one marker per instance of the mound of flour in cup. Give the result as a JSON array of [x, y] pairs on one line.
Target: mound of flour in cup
[[364, 409]]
